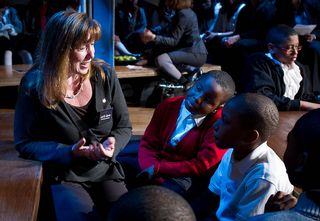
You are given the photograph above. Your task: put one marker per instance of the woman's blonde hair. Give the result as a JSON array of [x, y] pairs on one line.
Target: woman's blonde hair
[[179, 4], [65, 31]]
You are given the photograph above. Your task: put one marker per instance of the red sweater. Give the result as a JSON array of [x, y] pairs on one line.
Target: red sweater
[[196, 154]]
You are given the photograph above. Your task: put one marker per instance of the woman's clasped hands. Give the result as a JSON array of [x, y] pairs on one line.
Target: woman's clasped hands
[[95, 151]]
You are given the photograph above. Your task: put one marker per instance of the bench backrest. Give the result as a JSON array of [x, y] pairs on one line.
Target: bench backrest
[[278, 141]]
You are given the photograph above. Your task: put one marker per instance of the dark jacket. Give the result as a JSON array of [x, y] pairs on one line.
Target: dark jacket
[[264, 76], [48, 134], [184, 35]]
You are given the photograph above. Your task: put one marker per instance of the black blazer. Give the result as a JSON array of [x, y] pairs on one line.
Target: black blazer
[[185, 34]]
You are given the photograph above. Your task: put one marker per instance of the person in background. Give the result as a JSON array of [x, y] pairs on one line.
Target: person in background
[[186, 50], [205, 11], [161, 19], [71, 115], [178, 150], [278, 75], [253, 22], [227, 12], [304, 12], [130, 21], [302, 159], [151, 203], [250, 171], [10, 27]]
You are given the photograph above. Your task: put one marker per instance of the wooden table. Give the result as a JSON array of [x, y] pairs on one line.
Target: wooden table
[[11, 75], [20, 183]]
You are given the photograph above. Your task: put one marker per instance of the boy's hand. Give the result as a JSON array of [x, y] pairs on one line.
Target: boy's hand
[[280, 201]]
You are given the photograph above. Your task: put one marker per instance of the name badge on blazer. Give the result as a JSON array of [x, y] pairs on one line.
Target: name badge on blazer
[[105, 115]]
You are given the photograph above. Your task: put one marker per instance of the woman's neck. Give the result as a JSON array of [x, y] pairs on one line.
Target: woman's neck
[[74, 86]]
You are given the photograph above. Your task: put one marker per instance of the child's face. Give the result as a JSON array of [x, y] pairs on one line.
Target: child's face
[[287, 52], [228, 132], [204, 97]]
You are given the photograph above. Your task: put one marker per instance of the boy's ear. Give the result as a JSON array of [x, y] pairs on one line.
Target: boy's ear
[[270, 47], [252, 136]]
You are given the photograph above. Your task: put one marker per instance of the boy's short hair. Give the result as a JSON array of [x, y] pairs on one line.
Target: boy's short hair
[[223, 79], [257, 112], [151, 203], [279, 34]]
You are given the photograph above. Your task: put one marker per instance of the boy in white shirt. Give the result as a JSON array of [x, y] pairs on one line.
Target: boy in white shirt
[[250, 171]]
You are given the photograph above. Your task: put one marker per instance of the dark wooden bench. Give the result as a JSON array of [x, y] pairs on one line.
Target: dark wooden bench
[[140, 118], [278, 141], [125, 72], [11, 75], [20, 185], [20, 179]]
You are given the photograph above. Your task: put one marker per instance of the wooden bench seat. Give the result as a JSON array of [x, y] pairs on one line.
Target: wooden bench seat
[[20, 185], [125, 72], [140, 118], [11, 75]]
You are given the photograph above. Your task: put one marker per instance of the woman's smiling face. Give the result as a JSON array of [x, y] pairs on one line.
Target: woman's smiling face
[[81, 57]]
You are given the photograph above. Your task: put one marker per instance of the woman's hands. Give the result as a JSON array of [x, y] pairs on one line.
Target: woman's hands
[[95, 151]]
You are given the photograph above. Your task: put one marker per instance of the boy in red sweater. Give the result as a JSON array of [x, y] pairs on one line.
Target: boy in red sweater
[[178, 144]]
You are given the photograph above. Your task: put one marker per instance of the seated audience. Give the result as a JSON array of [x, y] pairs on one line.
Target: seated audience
[[161, 19], [185, 50], [130, 21], [71, 115], [253, 22], [302, 159], [205, 11], [10, 27], [278, 75], [250, 171], [225, 22], [305, 12], [178, 148], [151, 203]]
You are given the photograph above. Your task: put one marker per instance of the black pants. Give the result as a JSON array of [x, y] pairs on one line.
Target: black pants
[[86, 201]]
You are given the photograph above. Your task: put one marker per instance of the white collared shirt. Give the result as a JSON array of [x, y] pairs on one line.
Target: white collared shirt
[[182, 126], [244, 186], [292, 77]]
